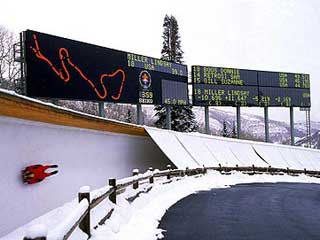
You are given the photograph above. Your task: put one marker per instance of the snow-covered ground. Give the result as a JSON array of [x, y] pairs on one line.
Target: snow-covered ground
[[140, 218]]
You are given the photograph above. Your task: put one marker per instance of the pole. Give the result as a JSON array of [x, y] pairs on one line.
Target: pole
[[291, 126], [139, 114], [238, 122], [22, 66], [206, 119], [84, 225], [168, 117], [266, 124], [308, 124], [101, 110]]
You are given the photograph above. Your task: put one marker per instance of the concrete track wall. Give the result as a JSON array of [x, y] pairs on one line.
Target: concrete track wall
[[85, 157], [196, 150]]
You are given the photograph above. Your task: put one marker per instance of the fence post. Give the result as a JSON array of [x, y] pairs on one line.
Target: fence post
[[135, 172], [288, 170], [187, 171], [220, 167], [36, 232], [237, 167], [204, 169], [113, 195], [84, 225], [253, 169], [305, 171], [151, 180], [169, 171]]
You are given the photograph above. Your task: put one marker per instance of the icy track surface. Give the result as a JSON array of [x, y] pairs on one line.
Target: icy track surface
[[139, 220]]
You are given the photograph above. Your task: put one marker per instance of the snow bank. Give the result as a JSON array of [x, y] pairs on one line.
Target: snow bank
[[37, 231], [62, 229]]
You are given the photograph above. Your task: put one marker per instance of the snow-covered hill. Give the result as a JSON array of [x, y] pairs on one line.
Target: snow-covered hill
[[315, 140]]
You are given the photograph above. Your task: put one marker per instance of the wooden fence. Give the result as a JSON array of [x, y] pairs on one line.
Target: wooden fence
[[118, 187]]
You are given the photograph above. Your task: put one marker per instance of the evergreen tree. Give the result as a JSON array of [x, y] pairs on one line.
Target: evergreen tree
[[182, 117], [234, 132], [129, 117], [225, 129]]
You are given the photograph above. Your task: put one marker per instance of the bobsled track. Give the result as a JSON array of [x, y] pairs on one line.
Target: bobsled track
[[89, 150]]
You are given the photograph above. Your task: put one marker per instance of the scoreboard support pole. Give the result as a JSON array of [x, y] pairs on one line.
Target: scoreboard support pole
[[291, 126], [101, 110], [206, 119], [266, 124], [238, 122], [308, 124], [168, 117], [139, 114]]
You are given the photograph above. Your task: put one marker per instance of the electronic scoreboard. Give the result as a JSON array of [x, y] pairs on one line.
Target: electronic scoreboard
[[216, 86], [66, 69]]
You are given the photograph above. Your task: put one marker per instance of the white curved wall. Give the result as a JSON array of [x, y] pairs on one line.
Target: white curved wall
[[85, 157], [200, 149]]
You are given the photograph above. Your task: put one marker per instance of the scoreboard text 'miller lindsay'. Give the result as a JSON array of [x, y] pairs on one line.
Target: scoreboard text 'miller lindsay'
[[216, 86]]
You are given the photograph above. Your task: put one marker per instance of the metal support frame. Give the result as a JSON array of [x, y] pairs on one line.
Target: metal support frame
[[206, 120], [168, 117], [19, 56], [139, 114], [266, 124], [238, 122], [101, 110], [308, 126], [291, 126]]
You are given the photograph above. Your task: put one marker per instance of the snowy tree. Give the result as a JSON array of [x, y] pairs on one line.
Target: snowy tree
[[9, 69], [225, 129], [182, 117], [234, 132], [129, 117]]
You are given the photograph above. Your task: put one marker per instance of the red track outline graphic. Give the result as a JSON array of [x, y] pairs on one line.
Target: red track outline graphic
[[64, 75]]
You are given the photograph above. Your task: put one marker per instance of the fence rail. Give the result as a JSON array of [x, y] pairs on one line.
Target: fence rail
[[118, 187]]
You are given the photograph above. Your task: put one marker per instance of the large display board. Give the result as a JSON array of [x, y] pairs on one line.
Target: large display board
[[216, 86], [67, 69]]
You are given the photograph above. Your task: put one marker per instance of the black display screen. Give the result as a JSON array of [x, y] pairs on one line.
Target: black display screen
[[214, 86], [67, 69]]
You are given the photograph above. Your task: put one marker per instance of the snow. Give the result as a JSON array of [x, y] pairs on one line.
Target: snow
[[84, 189], [37, 230], [139, 220], [99, 192], [62, 229]]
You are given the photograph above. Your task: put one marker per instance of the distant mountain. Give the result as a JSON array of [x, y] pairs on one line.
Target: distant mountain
[[315, 141]]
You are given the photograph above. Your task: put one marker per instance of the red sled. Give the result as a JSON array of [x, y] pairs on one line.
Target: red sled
[[36, 173]]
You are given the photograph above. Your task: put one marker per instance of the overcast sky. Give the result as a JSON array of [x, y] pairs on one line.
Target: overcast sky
[[275, 35]]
